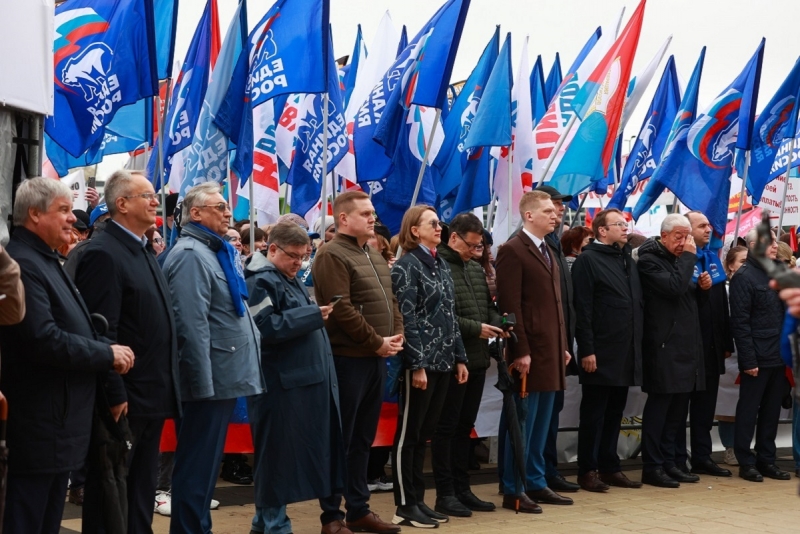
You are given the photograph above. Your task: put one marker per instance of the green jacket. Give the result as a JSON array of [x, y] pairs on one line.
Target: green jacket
[[474, 306]]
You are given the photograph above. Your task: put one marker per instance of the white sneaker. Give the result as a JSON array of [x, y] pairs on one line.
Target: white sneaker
[[730, 457], [163, 503], [214, 504]]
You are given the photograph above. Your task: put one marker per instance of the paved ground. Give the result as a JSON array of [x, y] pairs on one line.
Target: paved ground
[[714, 505]]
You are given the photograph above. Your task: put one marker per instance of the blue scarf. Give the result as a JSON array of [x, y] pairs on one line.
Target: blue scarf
[[708, 261], [228, 259]]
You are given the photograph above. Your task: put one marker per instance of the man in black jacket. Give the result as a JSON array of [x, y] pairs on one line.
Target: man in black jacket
[[120, 279], [608, 304], [757, 314], [50, 364], [672, 348]]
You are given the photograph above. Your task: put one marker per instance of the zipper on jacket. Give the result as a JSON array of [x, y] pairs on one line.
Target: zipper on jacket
[[386, 298]]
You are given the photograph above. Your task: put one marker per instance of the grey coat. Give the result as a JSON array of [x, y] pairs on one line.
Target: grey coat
[[217, 349]]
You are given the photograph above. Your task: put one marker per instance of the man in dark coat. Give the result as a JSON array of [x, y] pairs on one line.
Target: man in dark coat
[[609, 305], [555, 480], [757, 315], [120, 279], [712, 308], [50, 364], [297, 430], [672, 348], [528, 285]]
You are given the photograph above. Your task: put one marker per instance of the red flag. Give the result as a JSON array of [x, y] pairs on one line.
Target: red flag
[[216, 42]]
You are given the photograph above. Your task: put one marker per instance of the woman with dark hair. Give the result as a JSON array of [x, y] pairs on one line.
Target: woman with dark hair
[[573, 241], [485, 257], [433, 350]]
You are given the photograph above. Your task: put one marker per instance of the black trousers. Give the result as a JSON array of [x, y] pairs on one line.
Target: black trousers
[[34, 503], [759, 410], [417, 417], [598, 432], [702, 408], [361, 385], [663, 417], [451, 443], [378, 458], [550, 446]]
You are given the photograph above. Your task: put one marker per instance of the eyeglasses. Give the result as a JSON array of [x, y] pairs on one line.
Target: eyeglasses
[[147, 196], [472, 247], [295, 257], [158, 240], [618, 225], [434, 224], [221, 207]]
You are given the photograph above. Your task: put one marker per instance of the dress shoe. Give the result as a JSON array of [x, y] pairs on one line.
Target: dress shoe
[[334, 527], [372, 523], [436, 516], [659, 479], [237, 471], [471, 501], [750, 473], [557, 482], [412, 516], [619, 480], [710, 467], [75, 496], [772, 471], [590, 482], [526, 506], [547, 496], [449, 505], [678, 474]]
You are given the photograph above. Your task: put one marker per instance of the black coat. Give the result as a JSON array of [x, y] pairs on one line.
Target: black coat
[[672, 346], [120, 280], [567, 298], [715, 327], [757, 314], [609, 308], [50, 366]]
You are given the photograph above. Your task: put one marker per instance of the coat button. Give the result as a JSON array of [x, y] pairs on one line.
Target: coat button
[[233, 348]]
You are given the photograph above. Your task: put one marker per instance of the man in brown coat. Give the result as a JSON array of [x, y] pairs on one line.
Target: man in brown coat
[[12, 294], [529, 286]]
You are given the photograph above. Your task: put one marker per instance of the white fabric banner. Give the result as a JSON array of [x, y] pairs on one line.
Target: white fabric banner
[[76, 182]]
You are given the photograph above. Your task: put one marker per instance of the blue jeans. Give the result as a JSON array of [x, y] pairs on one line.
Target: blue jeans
[[271, 521], [535, 426]]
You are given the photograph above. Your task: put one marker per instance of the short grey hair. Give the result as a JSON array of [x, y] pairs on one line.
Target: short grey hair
[[197, 196], [118, 185], [38, 193], [675, 220], [288, 234]]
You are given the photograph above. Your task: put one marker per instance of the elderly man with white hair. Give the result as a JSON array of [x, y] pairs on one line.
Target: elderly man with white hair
[[672, 348], [50, 364]]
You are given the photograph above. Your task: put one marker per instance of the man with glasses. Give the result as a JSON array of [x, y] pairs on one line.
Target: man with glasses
[[608, 305], [478, 321], [218, 350]]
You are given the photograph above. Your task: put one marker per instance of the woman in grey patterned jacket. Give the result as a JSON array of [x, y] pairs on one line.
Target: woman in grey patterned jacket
[[433, 349]]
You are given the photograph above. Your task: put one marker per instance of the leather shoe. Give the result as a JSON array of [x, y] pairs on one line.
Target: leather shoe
[[619, 480], [372, 523], [547, 496], [336, 527], [590, 482], [678, 474], [710, 467], [75, 496], [449, 505], [659, 479], [750, 473], [526, 506], [471, 501], [436, 516], [557, 482], [772, 471]]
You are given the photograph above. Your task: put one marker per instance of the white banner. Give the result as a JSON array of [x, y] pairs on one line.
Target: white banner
[[772, 200], [76, 182]]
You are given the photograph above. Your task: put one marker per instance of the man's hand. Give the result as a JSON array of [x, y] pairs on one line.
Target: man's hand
[[488, 331], [92, 197], [325, 311], [728, 354], [567, 357], [752, 372], [419, 379], [123, 358], [704, 281], [119, 409], [791, 296], [689, 246], [589, 363], [521, 365], [461, 373], [391, 346]]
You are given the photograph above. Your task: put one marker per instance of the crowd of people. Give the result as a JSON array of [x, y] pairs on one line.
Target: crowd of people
[[314, 327]]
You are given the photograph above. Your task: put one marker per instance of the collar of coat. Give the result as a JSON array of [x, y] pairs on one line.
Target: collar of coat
[[204, 237], [348, 239], [34, 241], [115, 229], [424, 257]]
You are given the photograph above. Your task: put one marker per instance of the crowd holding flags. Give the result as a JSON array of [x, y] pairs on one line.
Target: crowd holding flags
[[257, 120]]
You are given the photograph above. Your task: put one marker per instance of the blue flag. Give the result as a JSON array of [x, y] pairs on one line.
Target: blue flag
[[776, 123], [698, 163], [554, 77], [105, 58], [539, 98], [166, 22], [788, 155], [452, 158], [646, 152], [492, 123], [402, 44], [352, 68]]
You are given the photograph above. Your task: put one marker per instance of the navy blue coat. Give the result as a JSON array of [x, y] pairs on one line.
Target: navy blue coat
[[50, 365]]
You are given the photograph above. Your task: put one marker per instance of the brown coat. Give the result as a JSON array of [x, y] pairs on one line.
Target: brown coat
[[12, 306], [368, 311], [529, 289]]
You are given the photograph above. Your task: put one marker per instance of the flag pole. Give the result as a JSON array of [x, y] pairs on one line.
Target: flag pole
[[577, 216], [510, 188], [230, 182], [425, 157], [741, 196], [490, 213], [783, 203], [324, 161], [161, 118], [252, 214], [560, 142]]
